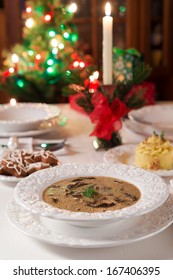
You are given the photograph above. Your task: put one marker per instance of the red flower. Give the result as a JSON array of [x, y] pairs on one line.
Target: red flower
[[107, 117]]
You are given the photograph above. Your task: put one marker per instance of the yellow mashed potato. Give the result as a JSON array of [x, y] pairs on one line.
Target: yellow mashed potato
[[154, 153]]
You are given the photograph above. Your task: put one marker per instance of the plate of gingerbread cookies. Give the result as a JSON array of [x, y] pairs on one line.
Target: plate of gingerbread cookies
[[18, 164]]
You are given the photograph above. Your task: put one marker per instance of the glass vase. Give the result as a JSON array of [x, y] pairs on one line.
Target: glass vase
[[103, 144]]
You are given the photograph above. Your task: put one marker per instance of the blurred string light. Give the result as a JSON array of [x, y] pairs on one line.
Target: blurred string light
[[47, 17], [11, 70], [50, 62], [74, 37], [20, 83], [13, 102], [76, 64], [29, 10], [61, 46], [54, 43], [55, 51], [66, 35], [68, 73], [15, 58], [122, 10], [52, 33], [62, 26], [29, 22], [72, 8], [50, 70], [38, 56], [80, 64], [30, 52]]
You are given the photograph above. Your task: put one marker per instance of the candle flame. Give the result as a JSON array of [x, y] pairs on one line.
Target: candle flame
[[108, 9], [13, 102]]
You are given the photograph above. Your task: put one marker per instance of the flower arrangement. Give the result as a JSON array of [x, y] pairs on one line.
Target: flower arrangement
[[107, 105]]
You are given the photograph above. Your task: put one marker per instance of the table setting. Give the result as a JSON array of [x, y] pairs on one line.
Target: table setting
[[92, 178], [56, 234]]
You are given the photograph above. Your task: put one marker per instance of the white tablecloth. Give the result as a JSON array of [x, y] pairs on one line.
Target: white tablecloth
[[16, 245]]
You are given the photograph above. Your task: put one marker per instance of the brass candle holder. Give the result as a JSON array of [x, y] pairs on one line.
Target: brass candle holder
[[109, 90]]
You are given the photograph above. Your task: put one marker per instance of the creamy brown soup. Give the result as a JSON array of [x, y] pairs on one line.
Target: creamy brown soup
[[91, 194]]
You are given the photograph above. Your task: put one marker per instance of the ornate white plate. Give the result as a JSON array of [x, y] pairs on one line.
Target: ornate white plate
[[159, 116], [126, 154], [25, 116], [10, 179], [119, 233], [144, 130], [154, 192]]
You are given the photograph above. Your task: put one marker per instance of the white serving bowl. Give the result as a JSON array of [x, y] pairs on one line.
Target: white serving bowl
[[159, 117], [28, 192], [25, 116]]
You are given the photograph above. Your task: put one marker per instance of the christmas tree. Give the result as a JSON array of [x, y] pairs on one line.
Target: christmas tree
[[39, 68]]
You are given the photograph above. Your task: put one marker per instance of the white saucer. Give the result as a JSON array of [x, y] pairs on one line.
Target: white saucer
[[27, 133], [125, 154], [119, 233]]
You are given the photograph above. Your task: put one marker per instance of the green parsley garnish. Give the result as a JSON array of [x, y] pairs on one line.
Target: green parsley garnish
[[162, 135], [155, 134], [90, 192]]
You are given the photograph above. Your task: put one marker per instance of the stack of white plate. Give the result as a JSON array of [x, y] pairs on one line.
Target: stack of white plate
[[158, 118], [151, 214], [26, 119]]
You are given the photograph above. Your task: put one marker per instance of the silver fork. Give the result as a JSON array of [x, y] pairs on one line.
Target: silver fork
[[52, 146], [13, 144]]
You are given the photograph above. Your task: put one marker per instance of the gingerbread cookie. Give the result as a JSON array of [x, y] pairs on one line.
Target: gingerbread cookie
[[21, 164], [13, 168], [46, 157], [33, 167]]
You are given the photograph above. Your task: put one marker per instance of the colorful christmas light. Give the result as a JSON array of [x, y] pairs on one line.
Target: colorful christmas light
[[29, 9], [13, 102], [44, 59], [52, 33], [11, 70], [29, 22], [72, 8], [38, 56], [47, 17], [54, 43], [15, 58]]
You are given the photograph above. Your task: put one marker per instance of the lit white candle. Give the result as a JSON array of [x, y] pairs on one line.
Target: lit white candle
[[107, 45]]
